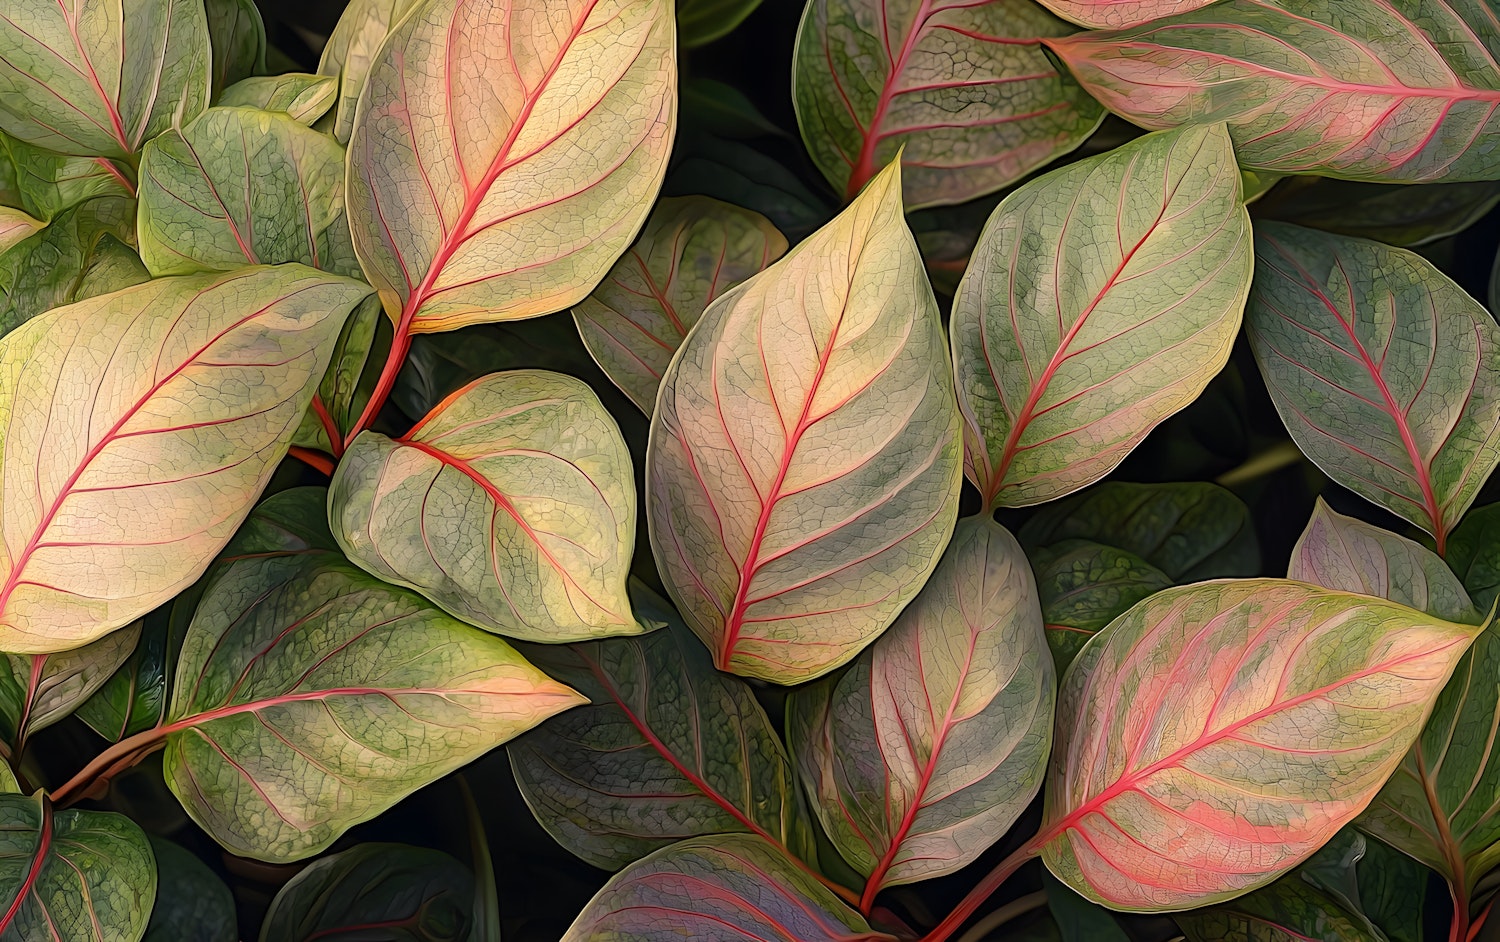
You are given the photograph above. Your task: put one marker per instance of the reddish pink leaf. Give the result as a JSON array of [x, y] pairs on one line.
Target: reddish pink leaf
[[1114, 14]]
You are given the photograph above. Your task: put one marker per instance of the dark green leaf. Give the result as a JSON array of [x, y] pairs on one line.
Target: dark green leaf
[[132, 699], [703, 21], [48, 183], [37, 690], [710, 105], [1083, 586], [1385, 212], [737, 173], [1079, 919], [1474, 553], [192, 903], [238, 37]]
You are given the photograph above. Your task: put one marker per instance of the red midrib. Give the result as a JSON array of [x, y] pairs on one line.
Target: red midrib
[[109, 106], [43, 847], [864, 166]]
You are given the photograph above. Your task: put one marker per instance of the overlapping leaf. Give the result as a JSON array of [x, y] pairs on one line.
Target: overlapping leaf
[[702, 21], [1218, 734], [83, 253], [1083, 586], [350, 51], [963, 86], [306, 98], [1396, 93], [347, 386], [802, 474], [1395, 215], [132, 699], [192, 903], [1474, 554], [1113, 14], [1385, 372], [667, 749], [513, 198], [1102, 298], [511, 505], [238, 37], [737, 173], [16, 226], [929, 747], [48, 183], [211, 371], [40, 689], [691, 251]]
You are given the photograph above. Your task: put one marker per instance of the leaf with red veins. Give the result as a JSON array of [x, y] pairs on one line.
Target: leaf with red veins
[[1385, 372], [507, 153], [928, 748], [1102, 298], [964, 86], [803, 469], [1393, 93], [37, 690], [1117, 14]]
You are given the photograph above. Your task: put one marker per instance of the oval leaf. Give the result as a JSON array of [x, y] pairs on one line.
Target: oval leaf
[[350, 51], [514, 198], [1216, 735], [37, 690], [238, 37], [1385, 372], [15, 227], [192, 903], [83, 253], [511, 505], [692, 250], [1395, 93], [346, 386], [213, 371], [1114, 14], [1102, 298], [305, 98], [802, 473], [956, 702], [1396, 215], [964, 87]]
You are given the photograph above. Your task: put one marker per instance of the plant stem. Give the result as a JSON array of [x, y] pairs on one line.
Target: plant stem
[[1012, 910], [400, 345], [992, 882], [112, 761], [313, 458]]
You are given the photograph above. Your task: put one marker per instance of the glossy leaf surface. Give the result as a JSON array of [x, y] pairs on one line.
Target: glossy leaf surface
[[350, 51], [1474, 554], [1114, 14], [192, 903], [963, 86], [1216, 735], [1083, 586], [38, 690], [1102, 298], [729, 888], [132, 699], [304, 97], [802, 474], [514, 198], [929, 747], [511, 505], [1385, 372], [215, 370], [668, 748], [100, 77], [691, 251], [1396, 93], [84, 252]]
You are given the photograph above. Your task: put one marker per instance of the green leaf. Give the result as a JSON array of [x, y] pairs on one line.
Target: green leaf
[[37, 690], [238, 37], [1397, 93], [1249, 720], [1385, 372], [927, 750], [721, 109], [1102, 298], [803, 471], [15, 227], [49, 183], [513, 199], [691, 251], [946, 236], [1084, 586], [1078, 919], [511, 505], [1113, 14], [100, 78], [211, 371], [1474, 554], [668, 748], [347, 385], [412, 894], [963, 90], [700, 22], [737, 173], [239, 186], [72, 876], [192, 903], [1393, 214], [350, 51], [304, 97], [729, 888], [133, 697]]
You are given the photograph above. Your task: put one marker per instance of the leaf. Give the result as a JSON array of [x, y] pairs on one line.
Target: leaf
[[1190, 530], [304, 97], [1397, 93], [66, 875], [727, 887], [722, 109], [946, 236], [691, 251], [213, 371], [1078, 919], [514, 198], [346, 387], [1216, 735], [131, 700], [192, 903], [787, 553], [668, 748], [700, 22], [927, 750], [1083, 586], [1474, 554], [411, 893], [964, 87], [511, 505], [48, 183], [1102, 298], [38, 690], [100, 78], [16, 227], [1381, 887], [1395, 215], [350, 51], [238, 37], [737, 173], [1113, 14], [310, 697], [1382, 368], [239, 186]]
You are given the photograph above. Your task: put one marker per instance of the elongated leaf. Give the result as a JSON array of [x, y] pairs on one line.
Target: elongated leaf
[[350, 51], [721, 109], [728, 888], [100, 78], [1102, 298], [956, 702], [1381, 887], [964, 87], [192, 903], [132, 699], [83, 253], [1474, 554], [802, 475], [15, 227], [1385, 372], [667, 749], [38, 690], [422, 894], [514, 198], [240, 186], [306, 98], [1113, 14], [702, 21], [1289, 910], [1216, 735], [691, 251], [238, 38], [1395, 215], [347, 385], [511, 505], [1083, 586], [72, 876], [214, 371], [48, 183], [1399, 93]]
